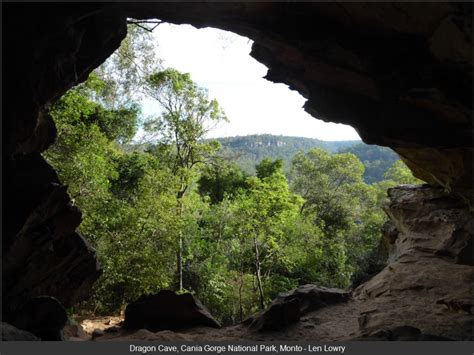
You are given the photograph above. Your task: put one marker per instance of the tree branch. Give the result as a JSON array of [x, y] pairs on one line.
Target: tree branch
[[139, 23]]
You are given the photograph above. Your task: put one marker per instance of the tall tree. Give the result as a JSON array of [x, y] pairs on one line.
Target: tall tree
[[187, 116], [261, 215]]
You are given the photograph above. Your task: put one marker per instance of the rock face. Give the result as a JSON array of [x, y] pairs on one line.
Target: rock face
[[429, 282], [42, 253], [167, 311], [288, 307], [57, 260], [45, 317], [10, 333]]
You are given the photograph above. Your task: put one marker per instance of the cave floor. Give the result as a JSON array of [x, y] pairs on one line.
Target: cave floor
[[338, 322]]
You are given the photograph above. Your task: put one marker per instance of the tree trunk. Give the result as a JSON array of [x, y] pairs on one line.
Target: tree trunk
[[241, 309], [179, 252], [179, 258], [258, 274]]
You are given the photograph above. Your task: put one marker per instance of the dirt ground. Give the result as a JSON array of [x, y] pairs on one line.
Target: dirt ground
[[330, 323]]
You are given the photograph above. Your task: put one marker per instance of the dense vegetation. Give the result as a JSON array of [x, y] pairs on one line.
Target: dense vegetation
[[377, 160], [176, 214], [247, 151]]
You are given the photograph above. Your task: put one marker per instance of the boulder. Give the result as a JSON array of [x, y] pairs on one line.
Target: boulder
[[167, 310], [11, 333], [288, 307], [43, 316]]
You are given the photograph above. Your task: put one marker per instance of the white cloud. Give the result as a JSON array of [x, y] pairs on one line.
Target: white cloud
[[220, 61]]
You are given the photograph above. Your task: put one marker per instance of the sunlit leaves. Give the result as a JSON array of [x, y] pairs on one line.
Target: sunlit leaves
[[400, 174]]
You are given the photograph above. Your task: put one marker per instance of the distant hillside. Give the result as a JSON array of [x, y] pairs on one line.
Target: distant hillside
[[247, 151]]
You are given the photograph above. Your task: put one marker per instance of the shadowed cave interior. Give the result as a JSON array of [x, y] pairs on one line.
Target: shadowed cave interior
[[399, 73]]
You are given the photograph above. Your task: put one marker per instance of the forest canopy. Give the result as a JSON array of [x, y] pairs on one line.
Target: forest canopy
[[177, 212]]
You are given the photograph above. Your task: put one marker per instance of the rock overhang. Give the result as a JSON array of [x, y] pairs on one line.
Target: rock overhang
[[399, 73]]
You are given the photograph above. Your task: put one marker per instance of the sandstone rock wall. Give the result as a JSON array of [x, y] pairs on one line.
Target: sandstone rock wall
[[429, 282]]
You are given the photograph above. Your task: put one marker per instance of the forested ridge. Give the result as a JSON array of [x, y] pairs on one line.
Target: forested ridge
[[179, 212], [247, 151]]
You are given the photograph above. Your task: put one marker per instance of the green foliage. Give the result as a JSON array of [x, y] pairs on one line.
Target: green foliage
[[247, 235], [221, 179], [267, 168], [375, 159], [341, 205], [187, 113], [400, 174], [125, 200], [125, 71]]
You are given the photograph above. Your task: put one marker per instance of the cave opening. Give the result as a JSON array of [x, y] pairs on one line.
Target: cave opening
[[268, 209], [402, 78]]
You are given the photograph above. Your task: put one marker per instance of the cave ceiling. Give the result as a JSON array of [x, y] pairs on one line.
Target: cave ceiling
[[399, 73]]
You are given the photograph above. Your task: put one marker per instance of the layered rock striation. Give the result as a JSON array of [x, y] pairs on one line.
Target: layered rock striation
[[429, 283]]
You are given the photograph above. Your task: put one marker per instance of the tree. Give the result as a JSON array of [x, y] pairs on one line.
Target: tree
[[221, 179], [87, 139], [187, 115], [376, 160], [400, 174], [341, 205], [125, 201], [126, 70], [261, 214], [268, 167], [322, 180]]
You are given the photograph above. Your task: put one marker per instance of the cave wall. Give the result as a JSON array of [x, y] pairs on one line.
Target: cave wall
[[428, 281], [400, 73], [46, 264]]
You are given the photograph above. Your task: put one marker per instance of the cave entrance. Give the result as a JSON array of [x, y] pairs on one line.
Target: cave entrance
[[400, 73], [267, 209]]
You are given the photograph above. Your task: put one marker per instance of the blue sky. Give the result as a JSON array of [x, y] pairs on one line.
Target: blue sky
[[220, 61]]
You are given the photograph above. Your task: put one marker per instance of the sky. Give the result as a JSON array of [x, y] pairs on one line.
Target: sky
[[220, 61]]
